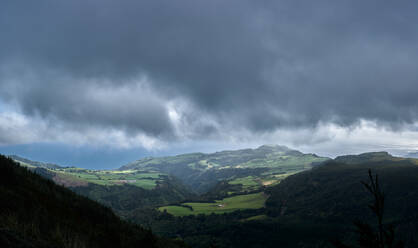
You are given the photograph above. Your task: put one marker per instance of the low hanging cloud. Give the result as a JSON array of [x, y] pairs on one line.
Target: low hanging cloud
[[192, 70]]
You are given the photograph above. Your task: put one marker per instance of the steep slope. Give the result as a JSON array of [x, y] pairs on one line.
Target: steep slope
[[127, 197], [30, 163], [121, 190], [334, 189], [35, 212], [332, 193], [266, 164]]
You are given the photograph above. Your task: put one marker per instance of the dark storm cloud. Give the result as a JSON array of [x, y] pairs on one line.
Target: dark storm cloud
[[130, 107], [254, 64]]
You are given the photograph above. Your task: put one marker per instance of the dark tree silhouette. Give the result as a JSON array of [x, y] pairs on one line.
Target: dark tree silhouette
[[371, 237]]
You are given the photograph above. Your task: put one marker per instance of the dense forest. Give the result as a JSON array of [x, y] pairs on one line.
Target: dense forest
[[35, 212]]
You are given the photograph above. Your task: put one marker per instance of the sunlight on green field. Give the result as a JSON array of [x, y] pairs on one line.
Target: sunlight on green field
[[248, 183], [143, 180], [227, 205], [257, 217], [245, 181], [80, 177], [253, 183]]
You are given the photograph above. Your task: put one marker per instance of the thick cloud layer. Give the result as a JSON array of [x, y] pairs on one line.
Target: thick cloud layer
[[192, 69]]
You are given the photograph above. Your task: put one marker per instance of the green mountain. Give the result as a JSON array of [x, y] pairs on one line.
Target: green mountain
[[35, 213], [367, 157], [250, 168]]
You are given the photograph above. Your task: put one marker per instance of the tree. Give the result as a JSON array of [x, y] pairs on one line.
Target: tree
[[382, 236]]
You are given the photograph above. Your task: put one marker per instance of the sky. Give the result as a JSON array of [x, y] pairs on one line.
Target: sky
[[99, 83]]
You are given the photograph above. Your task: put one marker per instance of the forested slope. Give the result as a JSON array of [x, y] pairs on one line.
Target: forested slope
[[35, 212]]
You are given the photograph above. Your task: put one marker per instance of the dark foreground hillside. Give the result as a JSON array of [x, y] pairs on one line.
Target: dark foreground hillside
[[35, 212], [332, 195]]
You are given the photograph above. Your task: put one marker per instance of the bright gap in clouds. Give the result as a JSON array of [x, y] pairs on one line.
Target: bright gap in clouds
[[100, 148]]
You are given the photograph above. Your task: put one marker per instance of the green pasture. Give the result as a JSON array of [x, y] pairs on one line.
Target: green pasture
[[143, 179], [248, 183], [226, 205]]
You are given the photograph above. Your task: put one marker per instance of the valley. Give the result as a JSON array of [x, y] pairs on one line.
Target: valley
[[159, 182], [206, 199]]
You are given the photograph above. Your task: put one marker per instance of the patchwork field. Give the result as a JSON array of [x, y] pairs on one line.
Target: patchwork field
[[248, 183], [143, 179], [76, 177], [254, 183], [226, 205]]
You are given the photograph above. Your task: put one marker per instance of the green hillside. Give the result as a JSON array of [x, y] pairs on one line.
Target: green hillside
[[35, 212], [121, 190], [251, 168]]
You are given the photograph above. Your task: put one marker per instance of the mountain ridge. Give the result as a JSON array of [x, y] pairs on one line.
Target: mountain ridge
[[271, 147], [202, 171]]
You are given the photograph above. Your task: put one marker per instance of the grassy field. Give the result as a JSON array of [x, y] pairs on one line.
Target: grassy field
[[226, 205], [248, 183], [253, 183], [146, 180], [73, 177]]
